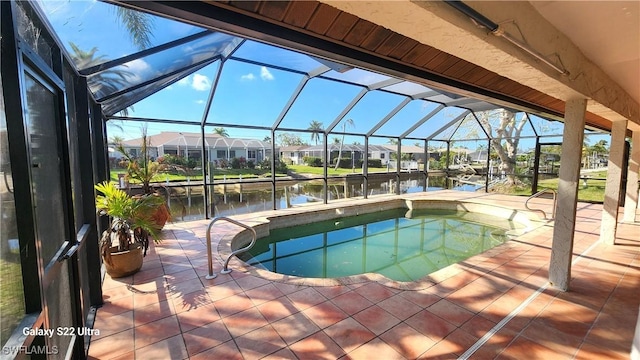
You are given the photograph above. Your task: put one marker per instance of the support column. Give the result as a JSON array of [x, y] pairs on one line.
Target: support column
[[569, 176], [608, 225], [631, 200]]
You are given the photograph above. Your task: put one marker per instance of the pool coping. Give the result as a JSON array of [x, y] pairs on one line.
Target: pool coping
[[264, 221]]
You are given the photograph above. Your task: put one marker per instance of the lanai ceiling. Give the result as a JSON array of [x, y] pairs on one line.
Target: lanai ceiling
[[326, 31], [607, 32]]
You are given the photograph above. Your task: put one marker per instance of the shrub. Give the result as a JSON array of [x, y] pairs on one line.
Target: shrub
[[345, 163], [265, 164], [281, 167], [235, 163], [374, 163], [222, 164], [312, 161], [251, 164]]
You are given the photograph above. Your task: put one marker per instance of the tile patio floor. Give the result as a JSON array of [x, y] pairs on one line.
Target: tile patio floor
[[170, 311]]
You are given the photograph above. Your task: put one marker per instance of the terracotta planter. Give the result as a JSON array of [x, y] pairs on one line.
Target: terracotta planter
[[161, 216], [123, 263]]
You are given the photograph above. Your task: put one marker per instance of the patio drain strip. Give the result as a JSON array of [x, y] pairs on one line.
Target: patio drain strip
[[516, 311]]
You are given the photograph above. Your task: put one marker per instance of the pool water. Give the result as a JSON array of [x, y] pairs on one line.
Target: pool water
[[399, 244]]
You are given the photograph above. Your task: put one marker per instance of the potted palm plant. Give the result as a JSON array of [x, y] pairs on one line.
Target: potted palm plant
[[124, 244], [142, 170]]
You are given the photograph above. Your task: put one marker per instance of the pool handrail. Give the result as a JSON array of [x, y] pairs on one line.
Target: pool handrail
[[225, 268], [538, 194]]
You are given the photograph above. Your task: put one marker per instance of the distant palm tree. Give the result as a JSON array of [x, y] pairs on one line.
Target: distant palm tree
[[350, 123], [267, 139], [316, 128], [221, 131]]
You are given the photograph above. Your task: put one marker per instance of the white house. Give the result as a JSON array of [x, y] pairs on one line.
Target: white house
[[189, 146], [296, 154]]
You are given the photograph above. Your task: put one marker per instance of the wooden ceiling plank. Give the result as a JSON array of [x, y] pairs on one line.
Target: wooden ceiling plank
[[342, 26], [488, 81], [389, 44], [359, 32], [460, 70], [535, 97], [251, 6], [476, 74], [448, 64], [403, 48], [438, 60], [300, 13], [427, 56], [522, 91], [322, 19], [375, 38], [414, 54], [274, 9]]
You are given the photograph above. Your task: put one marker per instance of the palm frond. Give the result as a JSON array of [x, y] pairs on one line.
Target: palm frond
[[138, 24]]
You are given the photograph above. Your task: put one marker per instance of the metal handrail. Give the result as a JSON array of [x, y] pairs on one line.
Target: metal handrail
[[225, 269], [555, 200]]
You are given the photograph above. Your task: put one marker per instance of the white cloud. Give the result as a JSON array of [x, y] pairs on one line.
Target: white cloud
[[199, 102], [248, 77], [136, 70], [200, 82], [265, 74], [184, 81]]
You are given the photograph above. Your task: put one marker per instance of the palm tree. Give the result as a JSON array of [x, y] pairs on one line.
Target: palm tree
[[316, 128], [116, 139], [107, 81], [221, 131], [350, 123], [138, 24]]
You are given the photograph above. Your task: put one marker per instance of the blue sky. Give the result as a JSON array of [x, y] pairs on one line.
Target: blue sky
[[247, 94]]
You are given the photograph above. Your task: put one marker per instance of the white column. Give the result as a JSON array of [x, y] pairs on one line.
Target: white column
[[569, 176], [608, 225], [631, 200]]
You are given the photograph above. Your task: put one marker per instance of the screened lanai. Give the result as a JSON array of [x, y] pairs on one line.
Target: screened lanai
[[187, 78]]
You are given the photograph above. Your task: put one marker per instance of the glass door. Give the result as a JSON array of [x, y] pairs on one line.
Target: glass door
[[44, 139]]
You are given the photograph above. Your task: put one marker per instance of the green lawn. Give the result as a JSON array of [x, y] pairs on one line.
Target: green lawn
[[592, 192], [11, 297], [304, 169], [218, 174]]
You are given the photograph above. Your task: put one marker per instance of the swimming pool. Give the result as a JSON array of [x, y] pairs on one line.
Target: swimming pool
[[400, 244]]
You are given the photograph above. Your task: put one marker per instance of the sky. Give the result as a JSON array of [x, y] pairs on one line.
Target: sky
[[246, 94]]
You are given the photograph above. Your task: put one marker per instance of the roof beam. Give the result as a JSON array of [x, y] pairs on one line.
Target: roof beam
[[447, 125], [422, 121], [348, 108], [389, 116]]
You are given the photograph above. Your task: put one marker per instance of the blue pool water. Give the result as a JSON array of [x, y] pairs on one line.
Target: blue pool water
[[401, 245]]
